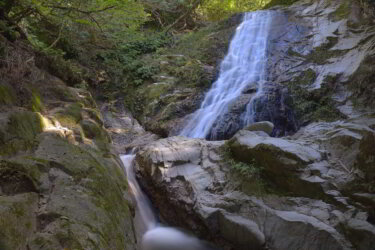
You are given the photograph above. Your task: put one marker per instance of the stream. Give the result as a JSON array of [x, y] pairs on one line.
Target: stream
[[155, 235]]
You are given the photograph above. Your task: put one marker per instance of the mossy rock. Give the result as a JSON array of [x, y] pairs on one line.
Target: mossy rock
[[21, 131], [71, 115], [366, 157], [362, 84], [280, 160], [99, 208], [17, 178], [342, 12], [17, 220], [36, 102], [274, 3], [314, 105], [7, 96]]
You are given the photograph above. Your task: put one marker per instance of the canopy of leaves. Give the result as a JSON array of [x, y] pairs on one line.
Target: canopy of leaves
[[214, 10], [80, 20]]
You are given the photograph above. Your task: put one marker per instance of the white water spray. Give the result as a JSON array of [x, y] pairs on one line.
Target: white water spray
[[244, 66]]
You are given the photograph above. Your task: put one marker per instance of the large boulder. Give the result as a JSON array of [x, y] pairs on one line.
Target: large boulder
[[281, 160], [195, 187]]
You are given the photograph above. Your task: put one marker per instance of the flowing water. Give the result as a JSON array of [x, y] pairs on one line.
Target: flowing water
[[156, 236], [244, 67]]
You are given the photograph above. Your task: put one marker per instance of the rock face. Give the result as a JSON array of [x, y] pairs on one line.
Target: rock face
[[61, 183], [302, 191]]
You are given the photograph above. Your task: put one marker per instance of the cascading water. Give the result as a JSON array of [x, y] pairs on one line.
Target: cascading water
[[156, 236], [243, 67]]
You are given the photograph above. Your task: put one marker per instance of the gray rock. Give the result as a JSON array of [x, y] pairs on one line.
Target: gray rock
[[265, 126], [193, 187]]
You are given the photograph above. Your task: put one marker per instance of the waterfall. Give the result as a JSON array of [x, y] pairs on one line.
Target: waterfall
[[147, 216], [243, 68]]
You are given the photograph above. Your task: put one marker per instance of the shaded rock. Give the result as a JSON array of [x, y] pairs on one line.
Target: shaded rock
[[245, 233]]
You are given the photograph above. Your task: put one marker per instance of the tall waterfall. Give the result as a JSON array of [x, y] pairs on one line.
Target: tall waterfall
[[243, 67]]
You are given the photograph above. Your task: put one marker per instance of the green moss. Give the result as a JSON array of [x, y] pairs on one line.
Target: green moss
[[21, 131], [7, 96], [313, 105], [362, 84], [63, 93], [342, 11], [306, 77], [250, 173], [273, 3], [36, 102], [15, 213], [71, 115], [25, 125], [207, 45], [321, 54], [68, 241]]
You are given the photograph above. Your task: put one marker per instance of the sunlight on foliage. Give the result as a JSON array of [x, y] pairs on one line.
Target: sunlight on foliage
[[219, 9]]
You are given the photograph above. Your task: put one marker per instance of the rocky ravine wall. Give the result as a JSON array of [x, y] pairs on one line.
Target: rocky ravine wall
[[310, 190], [61, 184]]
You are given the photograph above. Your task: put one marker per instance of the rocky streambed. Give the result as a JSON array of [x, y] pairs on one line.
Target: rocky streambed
[[313, 188], [298, 194]]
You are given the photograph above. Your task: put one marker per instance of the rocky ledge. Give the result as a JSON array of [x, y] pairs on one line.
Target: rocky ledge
[[259, 192]]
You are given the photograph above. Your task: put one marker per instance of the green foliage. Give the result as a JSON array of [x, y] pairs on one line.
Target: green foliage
[[128, 63], [273, 3], [88, 20], [249, 171], [218, 9]]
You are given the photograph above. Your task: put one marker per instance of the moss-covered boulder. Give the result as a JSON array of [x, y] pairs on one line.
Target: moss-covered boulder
[[61, 184]]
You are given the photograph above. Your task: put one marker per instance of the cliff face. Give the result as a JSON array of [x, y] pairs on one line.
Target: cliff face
[[61, 184]]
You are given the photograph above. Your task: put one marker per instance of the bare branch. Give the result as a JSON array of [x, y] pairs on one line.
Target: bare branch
[[81, 11]]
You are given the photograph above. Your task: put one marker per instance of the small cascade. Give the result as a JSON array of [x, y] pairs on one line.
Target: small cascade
[[243, 69], [156, 236], [148, 219]]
